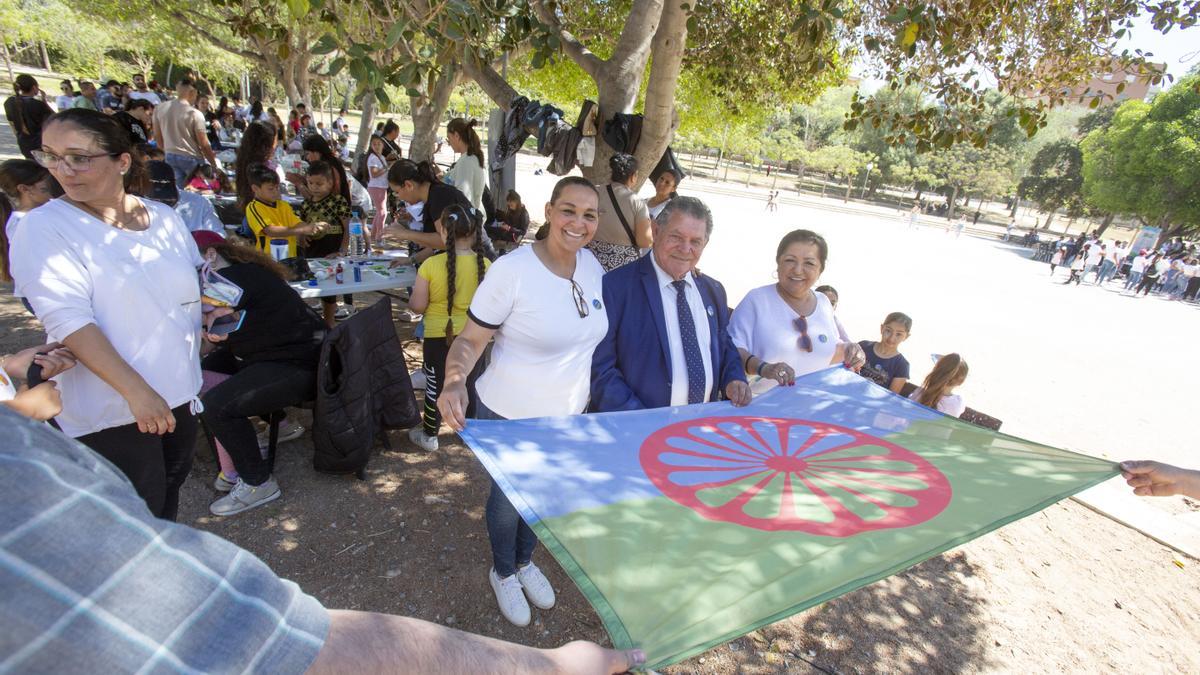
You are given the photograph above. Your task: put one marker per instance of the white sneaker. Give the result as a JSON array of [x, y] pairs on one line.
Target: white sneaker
[[510, 598], [537, 586], [223, 484], [418, 437], [344, 312], [409, 316], [288, 431], [244, 497]]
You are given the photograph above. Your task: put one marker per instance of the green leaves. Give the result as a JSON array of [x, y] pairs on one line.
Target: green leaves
[[327, 44], [394, 34], [298, 8]]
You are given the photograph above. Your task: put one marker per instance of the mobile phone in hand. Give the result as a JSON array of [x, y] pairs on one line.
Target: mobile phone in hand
[[224, 325]]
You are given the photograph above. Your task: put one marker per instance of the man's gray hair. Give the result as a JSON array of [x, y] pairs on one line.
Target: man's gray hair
[[689, 206]]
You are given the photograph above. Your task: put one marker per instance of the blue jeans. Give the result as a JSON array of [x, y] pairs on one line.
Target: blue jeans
[[1107, 270], [512, 540], [183, 165], [1134, 279]]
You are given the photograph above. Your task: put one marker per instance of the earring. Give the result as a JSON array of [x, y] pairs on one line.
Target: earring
[[122, 173]]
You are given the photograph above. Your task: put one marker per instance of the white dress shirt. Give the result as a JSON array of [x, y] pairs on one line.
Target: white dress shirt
[[679, 373]]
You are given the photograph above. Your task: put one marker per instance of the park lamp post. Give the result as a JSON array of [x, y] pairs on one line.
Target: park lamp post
[[866, 179]]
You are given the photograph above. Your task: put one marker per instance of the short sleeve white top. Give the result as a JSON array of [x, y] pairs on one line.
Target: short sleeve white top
[[139, 288], [10, 231], [374, 161], [764, 325], [542, 362], [8, 389], [951, 404]]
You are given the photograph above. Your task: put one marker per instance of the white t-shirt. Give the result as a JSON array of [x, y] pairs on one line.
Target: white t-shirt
[[469, 178], [139, 288], [374, 161], [8, 389], [764, 325], [145, 96], [951, 404], [1094, 256], [63, 102], [542, 362], [10, 231], [679, 374], [1139, 264], [198, 213]]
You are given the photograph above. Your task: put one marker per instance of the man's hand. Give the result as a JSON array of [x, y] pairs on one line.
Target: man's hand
[[588, 657], [738, 393]]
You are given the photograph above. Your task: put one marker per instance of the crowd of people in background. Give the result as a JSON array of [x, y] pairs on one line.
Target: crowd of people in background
[[1172, 268], [605, 310]]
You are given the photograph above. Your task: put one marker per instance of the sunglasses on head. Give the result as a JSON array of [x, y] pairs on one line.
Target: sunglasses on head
[[805, 341]]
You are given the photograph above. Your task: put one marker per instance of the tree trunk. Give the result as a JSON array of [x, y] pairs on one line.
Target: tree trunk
[[1108, 220], [666, 54], [849, 187], [366, 125], [45, 55], [427, 111], [953, 204], [1049, 217]]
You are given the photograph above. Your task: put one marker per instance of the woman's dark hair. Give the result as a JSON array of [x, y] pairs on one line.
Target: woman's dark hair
[[261, 174], [258, 142], [900, 318], [109, 135], [390, 127], [804, 237], [460, 222], [466, 131], [320, 168], [235, 253], [13, 174], [379, 128], [69, 85], [622, 166], [25, 83], [256, 110], [317, 144], [136, 103], [564, 183], [222, 105], [513, 196], [405, 170]]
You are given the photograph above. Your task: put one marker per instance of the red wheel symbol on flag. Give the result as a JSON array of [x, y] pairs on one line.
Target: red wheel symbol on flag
[[789, 474]]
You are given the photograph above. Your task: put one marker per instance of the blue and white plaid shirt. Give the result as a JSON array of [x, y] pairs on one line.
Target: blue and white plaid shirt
[[92, 583]]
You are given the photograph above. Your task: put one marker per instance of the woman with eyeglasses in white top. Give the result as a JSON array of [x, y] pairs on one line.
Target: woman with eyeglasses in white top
[[542, 303], [113, 278]]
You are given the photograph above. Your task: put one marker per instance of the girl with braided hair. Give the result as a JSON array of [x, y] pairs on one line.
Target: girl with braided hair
[[443, 291]]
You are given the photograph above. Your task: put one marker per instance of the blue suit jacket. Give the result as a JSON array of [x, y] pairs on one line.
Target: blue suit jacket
[[631, 368]]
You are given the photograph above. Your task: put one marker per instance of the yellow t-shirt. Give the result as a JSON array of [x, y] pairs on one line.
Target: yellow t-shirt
[[260, 214], [466, 280]]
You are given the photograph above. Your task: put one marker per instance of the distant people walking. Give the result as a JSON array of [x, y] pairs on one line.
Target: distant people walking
[[1136, 269], [1077, 266], [1154, 269], [914, 215], [772, 204], [1057, 258]]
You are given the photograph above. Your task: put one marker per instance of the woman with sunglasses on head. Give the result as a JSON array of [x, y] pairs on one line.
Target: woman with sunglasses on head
[[787, 329], [542, 303], [112, 277]]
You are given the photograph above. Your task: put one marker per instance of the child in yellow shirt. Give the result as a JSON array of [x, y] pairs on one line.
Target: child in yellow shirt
[[270, 217], [445, 285]]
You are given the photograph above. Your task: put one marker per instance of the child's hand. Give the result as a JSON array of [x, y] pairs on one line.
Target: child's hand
[[39, 403], [53, 358]]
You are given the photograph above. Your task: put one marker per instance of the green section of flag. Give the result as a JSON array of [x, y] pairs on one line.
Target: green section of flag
[[711, 581]]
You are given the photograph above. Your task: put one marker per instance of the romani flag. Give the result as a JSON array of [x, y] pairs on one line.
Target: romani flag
[[687, 527]]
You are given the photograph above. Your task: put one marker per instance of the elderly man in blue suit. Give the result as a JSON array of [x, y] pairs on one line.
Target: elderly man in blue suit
[[668, 342]]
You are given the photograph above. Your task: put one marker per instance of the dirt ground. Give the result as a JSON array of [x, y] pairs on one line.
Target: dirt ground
[[1065, 590]]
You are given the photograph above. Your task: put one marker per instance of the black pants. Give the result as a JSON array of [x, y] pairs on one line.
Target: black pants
[[255, 389], [156, 465], [434, 352], [1193, 287], [1146, 286]]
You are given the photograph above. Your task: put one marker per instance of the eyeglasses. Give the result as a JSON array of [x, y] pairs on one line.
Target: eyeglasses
[[581, 305], [76, 163], [805, 341]]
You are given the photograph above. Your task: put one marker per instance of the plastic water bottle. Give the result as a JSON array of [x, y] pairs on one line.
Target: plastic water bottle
[[358, 245], [339, 275]]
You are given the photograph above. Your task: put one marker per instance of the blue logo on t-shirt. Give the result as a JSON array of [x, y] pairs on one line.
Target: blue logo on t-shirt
[[596, 303], [822, 339]]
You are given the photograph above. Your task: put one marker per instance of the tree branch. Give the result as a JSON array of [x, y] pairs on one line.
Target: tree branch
[[216, 42], [640, 28], [589, 62], [495, 86], [660, 120]]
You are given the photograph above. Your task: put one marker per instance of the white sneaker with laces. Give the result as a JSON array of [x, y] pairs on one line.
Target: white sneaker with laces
[[288, 431], [418, 437], [510, 598], [344, 312], [244, 497], [537, 586], [409, 316]]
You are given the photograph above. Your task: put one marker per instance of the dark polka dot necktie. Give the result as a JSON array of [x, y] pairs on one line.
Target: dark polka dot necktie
[[691, 345]]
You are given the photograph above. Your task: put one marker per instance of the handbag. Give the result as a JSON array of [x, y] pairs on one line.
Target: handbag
[[621, 215]]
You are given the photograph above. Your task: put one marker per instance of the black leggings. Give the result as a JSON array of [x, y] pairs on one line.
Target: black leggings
[[255, 389], [1147, 285], [156, 465], [434, 352]]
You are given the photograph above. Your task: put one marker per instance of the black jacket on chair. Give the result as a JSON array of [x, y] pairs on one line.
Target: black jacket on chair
[[363, 389]]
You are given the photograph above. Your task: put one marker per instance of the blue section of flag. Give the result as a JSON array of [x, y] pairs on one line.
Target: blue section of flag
[[564, 464]]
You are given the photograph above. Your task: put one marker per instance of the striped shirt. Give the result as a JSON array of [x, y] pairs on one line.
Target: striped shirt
[[94, 584]]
